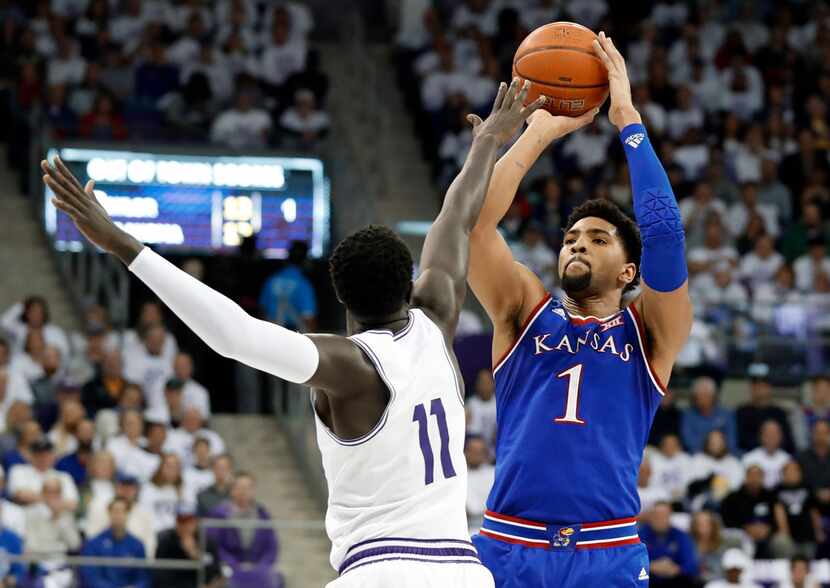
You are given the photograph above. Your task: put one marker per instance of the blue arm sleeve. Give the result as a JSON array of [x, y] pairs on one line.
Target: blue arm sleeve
[[663, 265]]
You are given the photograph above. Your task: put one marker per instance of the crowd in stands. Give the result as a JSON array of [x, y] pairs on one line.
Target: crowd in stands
[[106, 450], [238, 73], [736, 99]]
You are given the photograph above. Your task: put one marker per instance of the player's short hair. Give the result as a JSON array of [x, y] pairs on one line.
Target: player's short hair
[[371, 270], [627, 230]]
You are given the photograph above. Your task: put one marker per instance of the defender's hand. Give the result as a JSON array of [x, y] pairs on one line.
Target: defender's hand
[[550, 127], [622, 111], [86, 212], [508, 112]]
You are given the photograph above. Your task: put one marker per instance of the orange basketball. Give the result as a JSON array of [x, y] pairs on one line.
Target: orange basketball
[[561, 64]]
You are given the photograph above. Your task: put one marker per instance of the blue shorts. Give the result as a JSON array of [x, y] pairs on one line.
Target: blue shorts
[[517, 566]]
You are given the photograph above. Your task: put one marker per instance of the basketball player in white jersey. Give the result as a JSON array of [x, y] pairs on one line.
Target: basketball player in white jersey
[[388, 400]]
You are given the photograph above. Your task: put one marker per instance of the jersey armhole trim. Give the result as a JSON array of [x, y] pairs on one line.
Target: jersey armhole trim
[[641, 339], [383, 418], [523, 331]]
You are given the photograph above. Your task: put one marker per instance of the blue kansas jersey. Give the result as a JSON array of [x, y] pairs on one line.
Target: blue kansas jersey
[[575, 399]]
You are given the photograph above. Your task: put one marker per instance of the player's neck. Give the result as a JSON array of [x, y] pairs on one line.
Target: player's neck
[[599, 305], [392, 322]]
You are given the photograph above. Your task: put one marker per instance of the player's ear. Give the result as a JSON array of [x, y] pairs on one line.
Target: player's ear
[[628, 273]]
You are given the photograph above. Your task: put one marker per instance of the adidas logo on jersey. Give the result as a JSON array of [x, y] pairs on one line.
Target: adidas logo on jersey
[[643, 574], [635, 140]]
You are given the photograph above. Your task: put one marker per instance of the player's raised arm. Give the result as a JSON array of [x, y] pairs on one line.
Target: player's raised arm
[[664, 305], [500, 283], [445, 257], [329, 362]]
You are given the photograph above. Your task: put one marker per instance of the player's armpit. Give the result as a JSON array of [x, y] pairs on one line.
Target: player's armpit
[[667, 318], [343, 371]]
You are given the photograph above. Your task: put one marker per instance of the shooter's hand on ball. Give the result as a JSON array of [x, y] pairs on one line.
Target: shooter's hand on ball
[[549, 128], [622, 112], [508, 112], [86, 212]]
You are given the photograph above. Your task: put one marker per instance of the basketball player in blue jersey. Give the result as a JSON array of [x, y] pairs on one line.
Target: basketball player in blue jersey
[[579, 378], [388, 405]]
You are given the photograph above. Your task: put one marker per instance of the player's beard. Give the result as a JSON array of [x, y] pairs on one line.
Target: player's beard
[[573, 284]]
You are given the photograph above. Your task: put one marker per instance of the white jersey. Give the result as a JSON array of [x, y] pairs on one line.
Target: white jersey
[[399, 491]]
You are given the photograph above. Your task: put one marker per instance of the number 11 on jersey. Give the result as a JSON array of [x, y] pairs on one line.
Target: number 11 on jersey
[[574, 376], [436, 409]]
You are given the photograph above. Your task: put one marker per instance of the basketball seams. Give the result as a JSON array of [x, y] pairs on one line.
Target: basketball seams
[[518, 58], [551, 47]]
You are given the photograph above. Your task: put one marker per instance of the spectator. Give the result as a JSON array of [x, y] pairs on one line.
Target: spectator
[[715, 468], [705, 415], [139, 520], [800, 574], [670, 468], [88, 354], [28, 433], [156, 434], [696, 212], [796, 241], [670, 550], [149, 315], [198, 476], [481, 474], [751, 508], [76, 463], [13, 389], [162, 494], [209, 498], [193, 394], [772, 192], [187, 48], [51, 527], [16, 417], [191, 111], [155, 77], [685, 116], [244, 126], [174, 406], [705, 259], [149, 366], [761, 264], [481, 409], [182, 543], [705, 530], [103, 122], [12, 517], [116, 541], [815, 462], [99, 486], [735, 566], [32, 314], [535, 253], [181, 439], [68, 67], [128, 448], [63, 434], [815, 409], [650, 494], [282, 56], [26, 481], [749, 417], [809, 266], [303, 123], [797, 514], [249, 551], [769, 456], [666, 420], [288, 298], [105, 389]]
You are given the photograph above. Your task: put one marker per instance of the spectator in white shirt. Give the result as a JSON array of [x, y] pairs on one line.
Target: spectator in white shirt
[[51, 526], [481, 409], [139, 521], [760, 265], [670, 468], [692, 154], [480, 476], [163, 493], [654, 115], [149, 314], [13, 388], [719, 289], [32, 314], [481, 15], [12, 516], [741, 212], [193, 393], [685, 116], [743, 93], [181, 439], [128, 448], [695, 212], [769, 296], [209, 61], [26, 480], [243, 126], [187, 48], [444, 82], [303, 122], [809, 265], [704, 84], [283, 56], [649, 492], [63, 434], [198, 476], [100, 485], [715, 464], [703, 260], [769, 456], [149, 367], [533, 252], [68, 67], [589, 148]]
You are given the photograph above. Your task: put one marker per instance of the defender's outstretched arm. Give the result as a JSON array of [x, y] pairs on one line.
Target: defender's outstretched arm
[[445, 257], [664, 305]]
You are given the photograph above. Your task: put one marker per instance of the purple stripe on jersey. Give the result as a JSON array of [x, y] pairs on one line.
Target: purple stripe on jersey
[[418, 559], [409, 550], [409, 540]]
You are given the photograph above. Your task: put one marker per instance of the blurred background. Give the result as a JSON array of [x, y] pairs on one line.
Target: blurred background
[[243, 138]]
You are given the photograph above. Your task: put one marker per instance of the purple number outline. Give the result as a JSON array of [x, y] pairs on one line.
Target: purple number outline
[[437, 410], [419, 416]]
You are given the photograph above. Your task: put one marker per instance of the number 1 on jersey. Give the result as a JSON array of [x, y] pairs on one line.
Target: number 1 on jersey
[[436, 409], [574, 376]]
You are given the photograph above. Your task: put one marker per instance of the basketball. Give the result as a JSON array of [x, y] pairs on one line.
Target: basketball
[[560, 62]]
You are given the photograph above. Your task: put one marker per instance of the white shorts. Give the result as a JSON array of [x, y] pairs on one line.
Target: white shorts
[[410, 574]]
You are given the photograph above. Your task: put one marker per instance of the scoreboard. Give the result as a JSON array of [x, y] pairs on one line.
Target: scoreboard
[[199, 203]]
